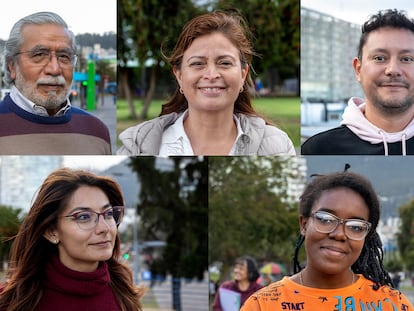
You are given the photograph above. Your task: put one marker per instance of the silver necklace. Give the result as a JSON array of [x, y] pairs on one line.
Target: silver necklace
[[301, 277]]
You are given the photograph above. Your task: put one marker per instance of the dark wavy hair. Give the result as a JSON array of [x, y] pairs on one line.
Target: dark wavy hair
[[386, 18], [370, 261], [234, 27], [31, 250]]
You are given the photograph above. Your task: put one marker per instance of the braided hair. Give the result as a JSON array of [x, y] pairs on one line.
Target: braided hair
[[370, 261]]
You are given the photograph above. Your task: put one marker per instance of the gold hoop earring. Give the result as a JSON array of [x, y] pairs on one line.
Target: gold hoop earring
[[181, 91], [241, 89]]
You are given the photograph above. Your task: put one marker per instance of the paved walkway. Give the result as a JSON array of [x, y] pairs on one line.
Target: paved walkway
[[194, 296], [107, 113], [408, 290]]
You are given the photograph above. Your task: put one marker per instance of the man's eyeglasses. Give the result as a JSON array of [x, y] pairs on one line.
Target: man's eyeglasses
[[88, 219], [355, 229], [43, 56]]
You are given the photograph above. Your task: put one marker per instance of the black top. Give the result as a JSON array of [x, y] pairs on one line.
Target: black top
[[342, 141]]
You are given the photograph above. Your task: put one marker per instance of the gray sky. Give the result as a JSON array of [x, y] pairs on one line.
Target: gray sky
[[93, 16], [357, 11], [94, 162]]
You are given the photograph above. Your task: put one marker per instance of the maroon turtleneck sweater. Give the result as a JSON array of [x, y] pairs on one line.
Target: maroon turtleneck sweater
[[69, 290]]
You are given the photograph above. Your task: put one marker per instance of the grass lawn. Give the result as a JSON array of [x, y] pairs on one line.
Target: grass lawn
[[283, 112]]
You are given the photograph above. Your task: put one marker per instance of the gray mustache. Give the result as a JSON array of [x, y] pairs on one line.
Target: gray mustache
[[52, 80]]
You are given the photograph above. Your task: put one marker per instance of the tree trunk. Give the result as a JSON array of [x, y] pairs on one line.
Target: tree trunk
[[123, 80], [151, 91]]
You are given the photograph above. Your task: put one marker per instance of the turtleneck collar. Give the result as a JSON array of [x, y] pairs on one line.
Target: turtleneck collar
[[68, 290], [61, 278]]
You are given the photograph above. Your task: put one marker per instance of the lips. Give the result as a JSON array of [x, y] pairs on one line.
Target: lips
[[101, 243], [334, 251]]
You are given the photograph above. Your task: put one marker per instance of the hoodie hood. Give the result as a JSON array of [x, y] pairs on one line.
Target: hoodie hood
[[354, 118]]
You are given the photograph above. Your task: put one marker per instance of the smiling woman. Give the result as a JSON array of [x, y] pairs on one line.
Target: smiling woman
[[210, 112], [339, 214], [66, 254]]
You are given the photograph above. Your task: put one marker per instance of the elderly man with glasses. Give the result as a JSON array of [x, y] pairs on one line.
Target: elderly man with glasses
[[36, 117]]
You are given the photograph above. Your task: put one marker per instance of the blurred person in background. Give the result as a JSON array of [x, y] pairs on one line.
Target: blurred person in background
[[245, 281]]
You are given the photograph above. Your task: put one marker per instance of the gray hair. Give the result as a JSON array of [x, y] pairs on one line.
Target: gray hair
[[15, 40]]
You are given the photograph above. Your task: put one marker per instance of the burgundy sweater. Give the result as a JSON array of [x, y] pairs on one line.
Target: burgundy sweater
[[232, 285], [68, 290]]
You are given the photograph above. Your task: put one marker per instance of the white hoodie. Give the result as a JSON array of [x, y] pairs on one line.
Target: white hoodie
[[354, 118]]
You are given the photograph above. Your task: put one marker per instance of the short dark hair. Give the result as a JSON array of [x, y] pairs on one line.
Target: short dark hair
[[252, 271], [385, 18]]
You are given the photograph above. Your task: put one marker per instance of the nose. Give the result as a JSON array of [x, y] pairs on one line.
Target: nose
[[211, 72], [393, 68], [339, 232], [102, 225], [53, 67]]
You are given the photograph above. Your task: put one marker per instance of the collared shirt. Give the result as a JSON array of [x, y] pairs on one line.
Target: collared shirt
[[176, 142], [31, 107]]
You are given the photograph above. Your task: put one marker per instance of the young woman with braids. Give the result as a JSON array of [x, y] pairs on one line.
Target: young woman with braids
[[338, 217], [66, 254]]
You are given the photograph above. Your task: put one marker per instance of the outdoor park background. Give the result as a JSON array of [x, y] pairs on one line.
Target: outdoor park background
[[145, 81], [253, 209]]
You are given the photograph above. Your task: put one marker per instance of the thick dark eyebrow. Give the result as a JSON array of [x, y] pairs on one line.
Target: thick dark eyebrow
[[385, 51], [82, 208]]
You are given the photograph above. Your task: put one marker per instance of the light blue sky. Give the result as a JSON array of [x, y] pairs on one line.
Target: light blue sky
[[93, 16], [357, 11]]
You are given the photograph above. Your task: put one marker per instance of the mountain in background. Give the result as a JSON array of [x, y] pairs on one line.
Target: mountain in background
[[392, 176]]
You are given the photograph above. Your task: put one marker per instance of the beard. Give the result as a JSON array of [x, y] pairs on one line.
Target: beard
[[52, 100], [392, 105]]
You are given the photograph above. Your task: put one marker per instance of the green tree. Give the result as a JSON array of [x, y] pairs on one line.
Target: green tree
[[275, 28], [405, 238], [10, 221], [174, 202], [249, 209], [143, 27]]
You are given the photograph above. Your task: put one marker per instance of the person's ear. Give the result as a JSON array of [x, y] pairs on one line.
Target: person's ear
[[245, 71], [12, 68], [303, 222], [177, 74], [356, 63], [52, 236]]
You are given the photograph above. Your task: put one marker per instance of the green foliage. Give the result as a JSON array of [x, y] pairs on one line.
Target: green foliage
[[405, 237], [10, 220], [107, 40], [249, 212], [174, 205], [275, 27]]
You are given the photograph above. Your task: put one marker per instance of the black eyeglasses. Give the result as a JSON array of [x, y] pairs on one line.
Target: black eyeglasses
[[88, 219], [355, 229], [42, 56]]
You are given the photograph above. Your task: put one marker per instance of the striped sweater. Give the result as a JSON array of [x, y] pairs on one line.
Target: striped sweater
[[77, 132]]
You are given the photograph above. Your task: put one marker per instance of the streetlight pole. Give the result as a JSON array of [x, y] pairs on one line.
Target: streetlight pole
[[135, 264]]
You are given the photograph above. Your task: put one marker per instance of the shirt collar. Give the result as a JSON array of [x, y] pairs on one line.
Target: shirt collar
[[176, 142], [29, 106]]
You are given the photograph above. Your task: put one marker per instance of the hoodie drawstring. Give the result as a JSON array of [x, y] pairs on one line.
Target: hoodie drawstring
[[384, 141], [404, 144]]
